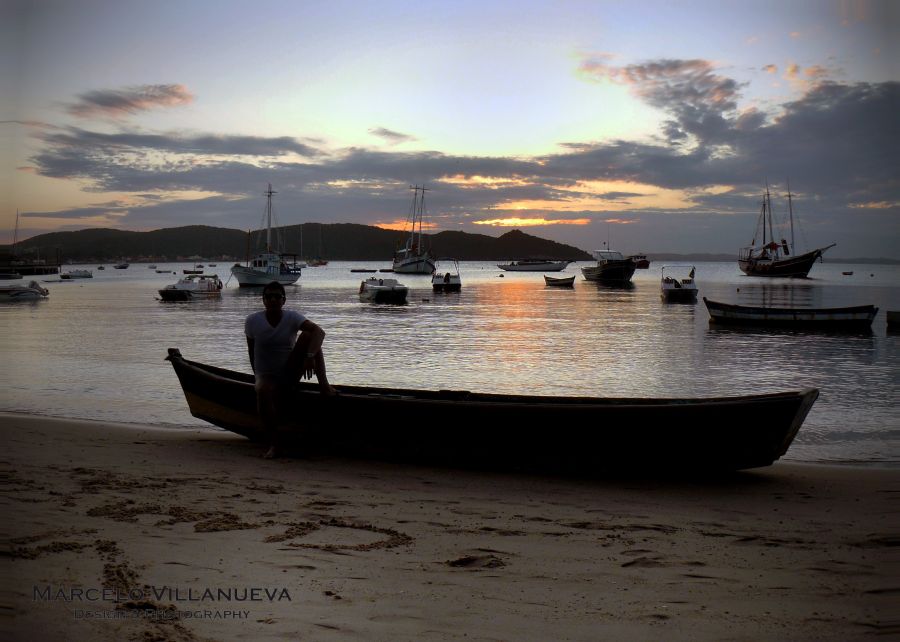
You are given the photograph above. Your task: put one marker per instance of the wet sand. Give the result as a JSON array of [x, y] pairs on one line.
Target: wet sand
[[194, 523]]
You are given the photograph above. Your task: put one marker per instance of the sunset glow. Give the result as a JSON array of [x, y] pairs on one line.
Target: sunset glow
[[532, 222]]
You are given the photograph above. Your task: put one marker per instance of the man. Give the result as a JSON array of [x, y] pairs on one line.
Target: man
[[278, 357]]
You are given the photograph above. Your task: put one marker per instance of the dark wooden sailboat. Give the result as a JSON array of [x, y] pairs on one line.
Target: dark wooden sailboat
[[772, 257], [502, 431]]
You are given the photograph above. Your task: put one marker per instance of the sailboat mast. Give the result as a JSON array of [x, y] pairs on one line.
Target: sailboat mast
[[269, 193], [16, 233], [791, 210]]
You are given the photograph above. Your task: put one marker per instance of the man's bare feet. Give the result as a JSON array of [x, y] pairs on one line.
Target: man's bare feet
[[328, 390]]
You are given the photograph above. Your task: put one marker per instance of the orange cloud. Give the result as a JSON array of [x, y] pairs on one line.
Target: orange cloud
[[489, 182], [401, 225], [771, 69], [879, 205], [619, 221], [532, 222]]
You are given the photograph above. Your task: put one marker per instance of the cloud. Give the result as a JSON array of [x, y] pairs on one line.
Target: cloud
[[532, 222], [118, 103], [204, 144], [836, 143], [392, 137], [698, 99], [770, 69]]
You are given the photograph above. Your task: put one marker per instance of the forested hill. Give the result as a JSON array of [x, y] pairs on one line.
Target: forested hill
[[337, 241]]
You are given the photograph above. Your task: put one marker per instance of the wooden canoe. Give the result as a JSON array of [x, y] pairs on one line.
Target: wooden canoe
[[857, 317], [563, 282], [461, 428]]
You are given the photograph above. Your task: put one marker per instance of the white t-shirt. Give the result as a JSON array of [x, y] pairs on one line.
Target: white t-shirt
[[272, 346]]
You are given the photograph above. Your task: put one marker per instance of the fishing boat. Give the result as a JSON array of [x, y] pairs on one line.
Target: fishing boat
[[121, 266], [534, 265], [101, 267], [857, 317], [776, 257], [510, 431], [28, 292], [640, 261], [197, 269], [413, 257], [193, 286], [77, 274], [563, 282], [271, 264], [678, 289], [445, 279], [375, 290], [611, 267]]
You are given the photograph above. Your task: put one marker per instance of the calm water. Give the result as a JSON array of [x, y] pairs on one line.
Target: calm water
[[95, 348]]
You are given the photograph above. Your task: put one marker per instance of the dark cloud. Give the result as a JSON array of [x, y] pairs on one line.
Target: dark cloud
[[394, 138], [180, 144], [698, 98], [838, 144], [117, 103]]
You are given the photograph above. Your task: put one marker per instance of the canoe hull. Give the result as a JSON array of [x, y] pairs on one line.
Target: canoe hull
[[857, 317], [600, 434]]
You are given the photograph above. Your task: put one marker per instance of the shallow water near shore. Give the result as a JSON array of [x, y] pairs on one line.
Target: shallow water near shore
[[95, 348]]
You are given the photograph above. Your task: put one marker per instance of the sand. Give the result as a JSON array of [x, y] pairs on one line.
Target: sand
[[332, 549]]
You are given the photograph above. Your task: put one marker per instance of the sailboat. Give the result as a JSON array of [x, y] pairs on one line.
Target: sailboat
[[413, 258], [776, 258], [269, 265]]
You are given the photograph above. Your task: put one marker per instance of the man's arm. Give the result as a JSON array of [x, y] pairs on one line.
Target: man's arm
[[250, 351]]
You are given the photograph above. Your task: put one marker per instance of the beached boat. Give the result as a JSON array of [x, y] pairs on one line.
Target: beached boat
[[640, 261], [375, 290], [413, 257], [675, 289], [77, 274], [611, 267], [856, 317], [444, 279], [193, 286], [271, 264], [534, 265], [28, 292], [511, 431], [563, 282], [773, 257]]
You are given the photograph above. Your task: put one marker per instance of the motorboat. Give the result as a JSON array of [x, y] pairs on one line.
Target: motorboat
[[678, 288], [534, 265], [446, 280], [28, 292], [77, 274], [121, 266], [375, 290], [10, 276], [611, 267], [562, 282], [193, 286], [640, 261], [271, 264]]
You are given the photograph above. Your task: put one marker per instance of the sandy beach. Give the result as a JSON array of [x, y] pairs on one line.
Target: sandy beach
[[126, 532]]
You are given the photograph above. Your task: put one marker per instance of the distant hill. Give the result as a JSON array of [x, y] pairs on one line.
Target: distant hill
[[336, 241]]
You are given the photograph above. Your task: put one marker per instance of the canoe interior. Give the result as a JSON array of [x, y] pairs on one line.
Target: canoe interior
[[572, 434]]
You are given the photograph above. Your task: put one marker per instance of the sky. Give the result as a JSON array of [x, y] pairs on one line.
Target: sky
[[652, 126]]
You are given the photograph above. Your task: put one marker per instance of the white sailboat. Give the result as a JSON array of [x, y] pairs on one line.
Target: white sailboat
[[269, 265], [413, 258]]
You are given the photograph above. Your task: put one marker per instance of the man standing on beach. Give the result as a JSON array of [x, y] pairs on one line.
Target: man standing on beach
[[278, 357]]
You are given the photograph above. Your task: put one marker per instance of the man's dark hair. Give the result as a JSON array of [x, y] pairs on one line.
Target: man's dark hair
[[274, 285]]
